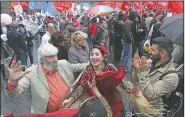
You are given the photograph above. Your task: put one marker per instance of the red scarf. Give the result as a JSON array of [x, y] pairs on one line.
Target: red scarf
[[93, 29], [106, 82]]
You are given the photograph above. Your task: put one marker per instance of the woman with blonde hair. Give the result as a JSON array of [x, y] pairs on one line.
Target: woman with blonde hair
[[79, 50]]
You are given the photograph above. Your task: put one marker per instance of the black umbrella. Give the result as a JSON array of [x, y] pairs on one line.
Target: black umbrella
[[172, 28]]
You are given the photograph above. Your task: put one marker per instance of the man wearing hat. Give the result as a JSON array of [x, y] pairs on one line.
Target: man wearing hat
[[148, 78], [28, 37]]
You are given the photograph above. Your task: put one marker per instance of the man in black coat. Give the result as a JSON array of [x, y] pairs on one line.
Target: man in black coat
[[17, 42], [128, 40], [28, 37], [154, 31], [139, 33], [118, 36]]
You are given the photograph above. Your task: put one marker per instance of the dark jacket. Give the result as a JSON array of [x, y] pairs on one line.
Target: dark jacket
[[4, 51], [4, 47], [61, 44], [110, 25], [28, 37], [98, 38], [118, 29], [153, 21], [156, 33], [16, 41], [139, 36], [1, 31], [127, 31]]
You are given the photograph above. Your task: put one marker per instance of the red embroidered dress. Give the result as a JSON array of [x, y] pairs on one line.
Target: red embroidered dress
[[107, 89]]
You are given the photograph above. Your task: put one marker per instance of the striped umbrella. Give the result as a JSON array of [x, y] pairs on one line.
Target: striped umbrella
[[100, 9]]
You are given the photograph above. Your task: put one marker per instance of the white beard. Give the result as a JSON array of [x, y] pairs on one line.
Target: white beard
[[51, 67]]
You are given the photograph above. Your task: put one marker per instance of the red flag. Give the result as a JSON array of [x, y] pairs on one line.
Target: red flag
[[150, 5], [62, 6], [136, 4], [24, 5], [125, 5], [12, 4], [142, 10]]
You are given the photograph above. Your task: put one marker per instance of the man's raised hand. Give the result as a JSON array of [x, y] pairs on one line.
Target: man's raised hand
[[16, 72]]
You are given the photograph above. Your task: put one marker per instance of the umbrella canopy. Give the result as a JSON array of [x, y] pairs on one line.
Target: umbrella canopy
[[172, 28], [176, 7], [100, 9]]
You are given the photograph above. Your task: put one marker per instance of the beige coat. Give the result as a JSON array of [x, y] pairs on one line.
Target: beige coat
[[153, 88], [39, 86]]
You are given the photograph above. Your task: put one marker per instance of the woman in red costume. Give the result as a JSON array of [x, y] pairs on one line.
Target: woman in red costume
[[106, 78]]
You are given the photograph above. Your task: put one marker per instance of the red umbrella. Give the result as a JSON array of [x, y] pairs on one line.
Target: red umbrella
[[176, 7]]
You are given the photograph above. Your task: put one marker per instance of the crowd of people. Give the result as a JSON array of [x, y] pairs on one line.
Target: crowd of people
[[73, 73]]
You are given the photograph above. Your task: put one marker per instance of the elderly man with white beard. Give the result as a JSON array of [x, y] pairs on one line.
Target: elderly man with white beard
[[49, 80]]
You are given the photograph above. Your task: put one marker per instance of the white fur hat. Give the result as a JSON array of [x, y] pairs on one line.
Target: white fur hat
[[46, 49], [4, 37]]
